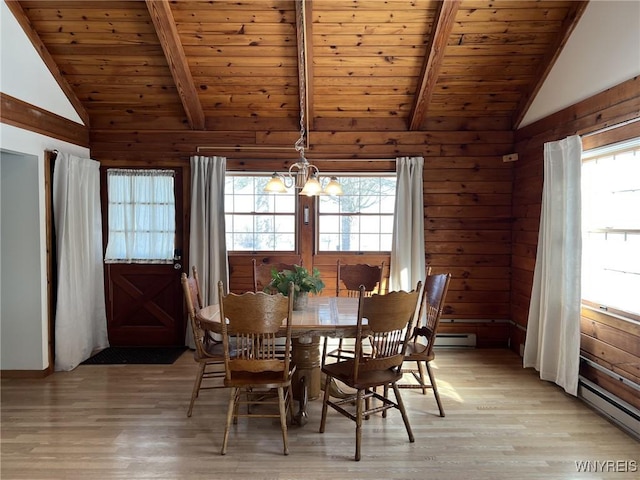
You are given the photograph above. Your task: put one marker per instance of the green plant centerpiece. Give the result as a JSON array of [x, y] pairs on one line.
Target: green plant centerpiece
[[303, 284]]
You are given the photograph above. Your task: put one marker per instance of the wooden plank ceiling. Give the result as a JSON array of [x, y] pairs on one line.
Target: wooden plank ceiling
[[234, 65]]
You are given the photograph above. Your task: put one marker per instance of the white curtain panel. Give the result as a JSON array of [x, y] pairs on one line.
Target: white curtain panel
[[407, 264], [207, 244], [553, 330], [81, 321]]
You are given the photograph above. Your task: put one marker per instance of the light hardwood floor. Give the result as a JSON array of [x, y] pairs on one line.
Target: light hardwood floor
[[130, 422]]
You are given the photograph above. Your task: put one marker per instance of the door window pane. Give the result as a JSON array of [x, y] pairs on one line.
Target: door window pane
[[142, 222]]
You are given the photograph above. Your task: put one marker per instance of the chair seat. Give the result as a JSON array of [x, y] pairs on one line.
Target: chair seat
[[343, 371], [216, 349], [418, 351], [262, 379]]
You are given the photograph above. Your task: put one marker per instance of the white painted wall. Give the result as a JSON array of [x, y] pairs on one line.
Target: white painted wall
[[603, 51], [20, 266], [23, 282], [23, 75], [23, 269]]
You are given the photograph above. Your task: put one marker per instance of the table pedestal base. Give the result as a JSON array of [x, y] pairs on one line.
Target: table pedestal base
[[305, 353]]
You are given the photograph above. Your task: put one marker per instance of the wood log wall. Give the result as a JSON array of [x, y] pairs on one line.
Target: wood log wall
[[467, 196], [474, 227], [605, 339]]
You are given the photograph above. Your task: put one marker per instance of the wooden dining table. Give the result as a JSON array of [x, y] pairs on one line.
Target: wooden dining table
[[321, 317]]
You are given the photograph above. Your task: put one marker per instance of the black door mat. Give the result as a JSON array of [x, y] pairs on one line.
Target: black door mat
[[136, 356]]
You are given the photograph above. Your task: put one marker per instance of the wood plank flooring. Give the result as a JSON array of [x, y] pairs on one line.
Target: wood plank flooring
[[129, 422]]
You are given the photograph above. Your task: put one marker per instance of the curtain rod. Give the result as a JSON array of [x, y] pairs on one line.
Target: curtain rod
[[346, 160], [610, 127], [309, 157], [242, 147]]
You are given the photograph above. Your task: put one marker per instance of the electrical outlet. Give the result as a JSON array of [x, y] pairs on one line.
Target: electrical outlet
[[512, 157]]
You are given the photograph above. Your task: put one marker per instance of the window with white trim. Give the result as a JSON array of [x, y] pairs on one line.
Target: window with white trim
[[611, 227], [256, 220], [361, 220]]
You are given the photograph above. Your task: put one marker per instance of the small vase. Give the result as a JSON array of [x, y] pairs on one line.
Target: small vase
[[300, 300]]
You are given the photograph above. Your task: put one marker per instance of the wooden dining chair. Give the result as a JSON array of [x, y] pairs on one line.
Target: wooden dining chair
[[420, 347], [253, 363], [348, 281], [208, 352], [351, 276], [262, 273], [389, 319], [199, 304]]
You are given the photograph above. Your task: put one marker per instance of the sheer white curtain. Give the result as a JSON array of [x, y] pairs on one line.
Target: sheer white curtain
[[407, 264], [553, 329], [207, 244], [142, 219], [81, 321]]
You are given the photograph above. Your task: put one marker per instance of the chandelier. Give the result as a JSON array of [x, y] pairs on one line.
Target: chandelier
[[302, 174]]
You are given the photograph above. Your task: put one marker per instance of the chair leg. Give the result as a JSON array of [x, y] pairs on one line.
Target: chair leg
[[289, 404], [196, 387], [325, 404], [325, 346], [385, 394], [358, 423], [421, 370], [405, 418], [236, 407], [283, 419], [233, 398], [340, 349], [432, 378], [367, 404]]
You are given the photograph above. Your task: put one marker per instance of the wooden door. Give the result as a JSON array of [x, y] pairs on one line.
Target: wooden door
[[144, 301]]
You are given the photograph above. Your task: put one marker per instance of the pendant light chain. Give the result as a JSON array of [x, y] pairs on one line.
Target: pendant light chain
[[307, 178], [299, 145]]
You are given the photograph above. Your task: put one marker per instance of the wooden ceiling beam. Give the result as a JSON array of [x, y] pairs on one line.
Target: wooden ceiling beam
[[306, 29], [18, 113], [568, 25], [442, 26], [304, 50], [48, 60], [165, 26]]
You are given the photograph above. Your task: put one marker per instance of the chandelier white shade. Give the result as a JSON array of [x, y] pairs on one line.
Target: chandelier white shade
[[303, 176]]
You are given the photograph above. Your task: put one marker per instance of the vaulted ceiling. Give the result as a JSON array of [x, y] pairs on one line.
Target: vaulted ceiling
[[235, 65]]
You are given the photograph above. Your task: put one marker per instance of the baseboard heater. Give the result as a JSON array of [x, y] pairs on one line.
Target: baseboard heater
[[455, 340], [617, 410]]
